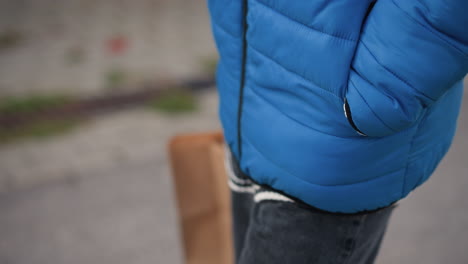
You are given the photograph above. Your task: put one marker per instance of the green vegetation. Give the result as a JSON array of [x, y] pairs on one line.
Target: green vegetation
[[174, 101], [31, 103], [13, 105], [209, 65], [37, 130], [115, 78], [9, 39]]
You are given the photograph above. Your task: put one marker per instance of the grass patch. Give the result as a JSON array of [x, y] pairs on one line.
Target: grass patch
[[38, 130], [31, 103], [209, 65], [14, 105], [115, 78], [174, 101], [9, 39]]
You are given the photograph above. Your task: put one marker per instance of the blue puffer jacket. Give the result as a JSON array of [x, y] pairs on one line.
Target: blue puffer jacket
[[288, 69]]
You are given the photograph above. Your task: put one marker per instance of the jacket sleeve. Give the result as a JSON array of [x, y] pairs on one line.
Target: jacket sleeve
[[409, 54]]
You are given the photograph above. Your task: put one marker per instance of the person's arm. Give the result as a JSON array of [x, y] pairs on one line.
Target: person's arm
[[409, 54]]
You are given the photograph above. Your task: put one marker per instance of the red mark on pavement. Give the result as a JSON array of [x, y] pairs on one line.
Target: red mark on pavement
[[117, 45]]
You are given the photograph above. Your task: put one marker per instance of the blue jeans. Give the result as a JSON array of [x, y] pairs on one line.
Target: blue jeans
[[270, 227]]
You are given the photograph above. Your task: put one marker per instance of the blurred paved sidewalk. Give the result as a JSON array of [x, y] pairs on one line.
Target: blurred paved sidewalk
[[102, 194], [109, 199]]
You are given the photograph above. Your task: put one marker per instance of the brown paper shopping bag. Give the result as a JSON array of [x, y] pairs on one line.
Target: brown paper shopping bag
[[197, 162]]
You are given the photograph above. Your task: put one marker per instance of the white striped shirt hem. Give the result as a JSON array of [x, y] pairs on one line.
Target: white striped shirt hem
[[243, 189], [271, 196], [230, 171]]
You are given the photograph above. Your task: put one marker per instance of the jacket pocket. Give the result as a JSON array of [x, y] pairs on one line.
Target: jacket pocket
[[349, 117]]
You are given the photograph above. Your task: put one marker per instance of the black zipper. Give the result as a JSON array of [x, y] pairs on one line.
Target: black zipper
[[242, 79]]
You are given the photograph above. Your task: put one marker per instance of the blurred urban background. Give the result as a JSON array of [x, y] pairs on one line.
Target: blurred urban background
[[90, 93]]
